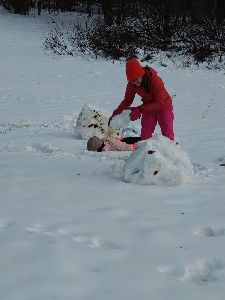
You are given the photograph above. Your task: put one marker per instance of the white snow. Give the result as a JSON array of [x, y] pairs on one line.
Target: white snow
[[208, 231], [94, 121], [158, 161], [121, 121], [202, 270], [71, 227]]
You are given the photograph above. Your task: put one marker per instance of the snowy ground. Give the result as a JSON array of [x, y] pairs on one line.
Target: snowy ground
[[70, 227]]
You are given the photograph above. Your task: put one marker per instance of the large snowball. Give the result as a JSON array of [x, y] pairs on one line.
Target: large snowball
[[94, 121], [158, 161], [120, 121]]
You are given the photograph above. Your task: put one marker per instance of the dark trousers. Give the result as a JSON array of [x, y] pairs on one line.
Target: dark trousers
[[131, 139]]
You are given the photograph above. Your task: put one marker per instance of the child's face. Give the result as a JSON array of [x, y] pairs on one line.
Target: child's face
[[137, 82]]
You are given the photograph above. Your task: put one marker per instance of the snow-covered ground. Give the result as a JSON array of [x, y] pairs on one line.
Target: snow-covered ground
[[70, 226]]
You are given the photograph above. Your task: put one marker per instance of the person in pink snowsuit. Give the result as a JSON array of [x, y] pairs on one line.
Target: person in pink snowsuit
[[156, 107]]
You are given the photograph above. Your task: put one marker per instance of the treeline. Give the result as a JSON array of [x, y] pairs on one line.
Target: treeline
[[118, 10], [122, 28]]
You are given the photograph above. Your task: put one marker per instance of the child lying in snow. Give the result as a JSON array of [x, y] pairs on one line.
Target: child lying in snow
[[112, 144]]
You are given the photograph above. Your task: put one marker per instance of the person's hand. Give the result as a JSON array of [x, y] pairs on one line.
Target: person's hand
[[135, 113]]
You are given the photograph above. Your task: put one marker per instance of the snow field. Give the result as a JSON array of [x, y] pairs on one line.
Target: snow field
[[70, 226]]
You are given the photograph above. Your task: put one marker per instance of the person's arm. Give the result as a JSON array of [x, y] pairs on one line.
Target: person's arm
[[128, 99]]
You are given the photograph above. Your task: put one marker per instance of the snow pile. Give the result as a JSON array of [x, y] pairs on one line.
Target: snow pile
[[202, 270], [92, 121], [208, 231], [120, 121], [158, 161]]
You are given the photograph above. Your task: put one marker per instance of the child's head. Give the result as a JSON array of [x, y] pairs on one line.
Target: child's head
[[94, 144], [134, 71]]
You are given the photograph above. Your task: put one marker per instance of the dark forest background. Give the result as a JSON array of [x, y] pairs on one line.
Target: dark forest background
[[120, 9], [195, 27]]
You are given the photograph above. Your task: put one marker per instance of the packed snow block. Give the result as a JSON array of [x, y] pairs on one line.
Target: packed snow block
[[121, 121], [93, 121], [158, 161]]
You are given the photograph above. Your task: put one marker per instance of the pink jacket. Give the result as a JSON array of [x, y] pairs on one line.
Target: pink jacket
[[112, 144], [155, 100]]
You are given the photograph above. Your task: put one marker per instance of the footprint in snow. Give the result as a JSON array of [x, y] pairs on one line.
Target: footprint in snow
[[204, 270], [208, 231], [38, 228], [35, 228], [202, 173], [93, 242], [5, 224], [200, 271]]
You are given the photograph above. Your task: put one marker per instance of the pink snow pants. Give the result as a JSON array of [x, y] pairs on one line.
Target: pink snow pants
[[163, 117]]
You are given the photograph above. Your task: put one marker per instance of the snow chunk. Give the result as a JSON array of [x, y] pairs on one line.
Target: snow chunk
[[202, 270], [208, 231], [93, 121], [120, 121], [158, 161]]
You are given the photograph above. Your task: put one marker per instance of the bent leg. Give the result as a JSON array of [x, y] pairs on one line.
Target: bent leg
[[148, 124], [165, 120]]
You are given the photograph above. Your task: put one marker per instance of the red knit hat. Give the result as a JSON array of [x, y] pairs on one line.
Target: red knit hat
[[134, 70]]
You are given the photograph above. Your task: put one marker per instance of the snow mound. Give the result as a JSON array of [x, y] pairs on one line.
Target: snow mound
[[208, 231], [120, 121], [158, 161], [93, 121], [202, 270]]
